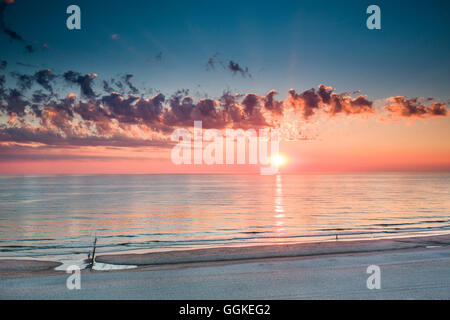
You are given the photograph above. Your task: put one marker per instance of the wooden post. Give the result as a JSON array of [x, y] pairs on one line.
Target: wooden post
[[91, 265]]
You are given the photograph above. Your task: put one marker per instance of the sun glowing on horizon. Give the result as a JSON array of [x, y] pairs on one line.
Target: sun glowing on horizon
[[278, 160]]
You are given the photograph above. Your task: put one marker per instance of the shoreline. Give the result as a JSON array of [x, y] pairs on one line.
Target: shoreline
[[228, 255], [420, 272]]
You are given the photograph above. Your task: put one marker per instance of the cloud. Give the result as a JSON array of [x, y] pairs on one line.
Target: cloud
[[43, 78], [104, 116], [127, 79], [84, 81], [29, 48], [13, 103], [107, 87], [230, 65], [13, 35], [183, 111], [401, 106], [25, 65], [213, 61], [236, 68], [306, 102], [271, 104], [132, 109], [49, 138], [24, 81], [437, 109], [29, 153], [310, 101]]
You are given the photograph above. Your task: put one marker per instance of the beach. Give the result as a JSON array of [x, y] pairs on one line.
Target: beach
[[411, 268]]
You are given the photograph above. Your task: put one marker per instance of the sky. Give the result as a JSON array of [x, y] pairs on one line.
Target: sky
[[105, 99]]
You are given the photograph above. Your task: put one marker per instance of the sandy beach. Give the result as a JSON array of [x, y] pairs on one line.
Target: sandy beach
[[411, 268]]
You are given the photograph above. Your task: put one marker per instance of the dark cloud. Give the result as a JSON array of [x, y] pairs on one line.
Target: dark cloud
[[25, 65], [437, 109], [29, 153], [111, 117], [24, 81], [50, 138], [127, 79], [119, 86], [179, 111], [183, 111], [39, 97], [250, 103], [134, 110], [13, 35], [107, 87], [309, 101], [230, 104], [230, 65], [29, 48], [121, 107], [13, 102], [228, 111], [150, 110], [306, 102], [234, 67], [43, 78], [325, 93], [97, 115], [205, 111], [271, 104], [84, 81], [213, 61], [414, 107]]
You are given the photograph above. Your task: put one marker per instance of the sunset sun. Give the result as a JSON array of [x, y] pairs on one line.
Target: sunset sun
[[278, 160]]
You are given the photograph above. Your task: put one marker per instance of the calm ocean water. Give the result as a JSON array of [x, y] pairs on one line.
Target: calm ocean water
[[59, 216]]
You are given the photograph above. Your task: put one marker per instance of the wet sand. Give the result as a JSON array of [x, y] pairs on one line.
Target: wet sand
[[270, 251], [26, 266]]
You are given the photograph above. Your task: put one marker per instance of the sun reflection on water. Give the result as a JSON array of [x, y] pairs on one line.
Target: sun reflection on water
[[278, 208]]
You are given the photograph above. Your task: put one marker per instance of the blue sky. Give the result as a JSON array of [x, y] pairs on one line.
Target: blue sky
[[281, 44], [285, 44]]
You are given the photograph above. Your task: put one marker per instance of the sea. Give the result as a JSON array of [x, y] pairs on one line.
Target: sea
[[58, 217]]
